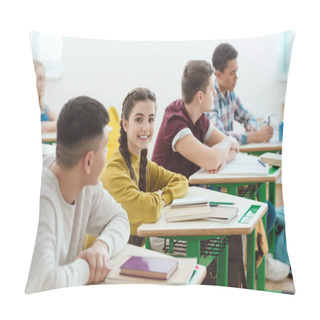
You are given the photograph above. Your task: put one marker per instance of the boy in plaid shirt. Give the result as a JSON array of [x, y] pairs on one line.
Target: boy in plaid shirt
[[227, 106]]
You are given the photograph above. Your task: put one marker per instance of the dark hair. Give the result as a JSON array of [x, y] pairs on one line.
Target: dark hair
[[138, 94], [223, 53], [81, 121], [195, 77]]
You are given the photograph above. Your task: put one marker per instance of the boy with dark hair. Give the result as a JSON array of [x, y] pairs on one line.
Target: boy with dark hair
[[187, 140], [73, 202], [227, 106]]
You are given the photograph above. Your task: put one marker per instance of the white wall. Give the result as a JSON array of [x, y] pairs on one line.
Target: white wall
[[107, 70]]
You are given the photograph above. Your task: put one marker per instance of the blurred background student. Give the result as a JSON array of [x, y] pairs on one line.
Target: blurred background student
[[48, 117]]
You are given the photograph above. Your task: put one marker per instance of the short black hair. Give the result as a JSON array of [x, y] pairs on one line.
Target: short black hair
[[223, 53], [196, 76], [81, 121]]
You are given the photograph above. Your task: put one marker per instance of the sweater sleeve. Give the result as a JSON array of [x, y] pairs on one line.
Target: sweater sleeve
[[108, 221], [140, 206], [172, 185], [45, 271]]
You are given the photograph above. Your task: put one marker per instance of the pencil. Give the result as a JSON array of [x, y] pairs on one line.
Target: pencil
[[214, 203]]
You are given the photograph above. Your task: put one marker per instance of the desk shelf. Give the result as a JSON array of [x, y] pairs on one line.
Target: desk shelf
[[208, 248]]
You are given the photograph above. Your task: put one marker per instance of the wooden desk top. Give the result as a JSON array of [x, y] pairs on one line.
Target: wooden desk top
[[205, 227], [49, 136], [258, 147], [202, 176]]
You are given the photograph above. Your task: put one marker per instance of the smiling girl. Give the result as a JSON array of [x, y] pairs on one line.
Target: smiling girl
[[141, 186]]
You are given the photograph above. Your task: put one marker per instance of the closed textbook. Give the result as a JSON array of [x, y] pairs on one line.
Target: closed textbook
[[149, 267], [188, 209]]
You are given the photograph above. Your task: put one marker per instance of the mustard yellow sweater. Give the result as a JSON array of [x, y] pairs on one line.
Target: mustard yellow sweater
[[141, 207]]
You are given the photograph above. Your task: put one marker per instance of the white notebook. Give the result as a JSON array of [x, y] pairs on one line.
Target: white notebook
[[245, 164], [223, 213]]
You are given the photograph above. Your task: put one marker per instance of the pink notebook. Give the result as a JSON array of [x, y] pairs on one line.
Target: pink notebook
[[149, 267]]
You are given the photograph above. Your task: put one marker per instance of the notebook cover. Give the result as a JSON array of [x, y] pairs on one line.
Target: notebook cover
[[149, 266]]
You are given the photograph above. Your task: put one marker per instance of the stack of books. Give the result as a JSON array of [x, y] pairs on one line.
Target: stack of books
[[187, 209]]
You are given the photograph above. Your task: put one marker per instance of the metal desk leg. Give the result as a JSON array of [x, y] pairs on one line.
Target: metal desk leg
[[147, 243], [171, 245], [193, 249], [222, 267], [251, 259], [261, 272], [272, 233]]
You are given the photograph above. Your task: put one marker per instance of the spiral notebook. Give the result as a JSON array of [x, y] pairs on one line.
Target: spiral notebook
[[195, 210], [223, 213]]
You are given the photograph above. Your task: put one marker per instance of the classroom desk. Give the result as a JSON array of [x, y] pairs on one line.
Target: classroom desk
[[49, 137], [199, 272], [195, 232], [254, 183], [259, 148], [48, 149]]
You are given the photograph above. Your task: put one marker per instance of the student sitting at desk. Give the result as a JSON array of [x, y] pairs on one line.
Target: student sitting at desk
[[227, 106], [48, 116], [142, 187], [187, 140], [73, 202]]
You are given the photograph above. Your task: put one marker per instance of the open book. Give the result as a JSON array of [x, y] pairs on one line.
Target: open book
[[244, 164]]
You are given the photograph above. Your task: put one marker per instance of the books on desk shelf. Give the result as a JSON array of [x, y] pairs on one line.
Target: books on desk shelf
[[223, 213], [188, 209], [244, 164], [149, 267]]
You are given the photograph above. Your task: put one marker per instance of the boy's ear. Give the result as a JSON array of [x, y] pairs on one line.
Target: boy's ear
[[87, 162], [199, 96], [218, 74]]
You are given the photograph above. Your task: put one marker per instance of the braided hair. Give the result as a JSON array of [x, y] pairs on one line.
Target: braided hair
[[138, 94]]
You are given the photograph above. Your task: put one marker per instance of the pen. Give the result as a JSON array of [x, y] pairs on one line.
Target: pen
[[261, 162], [214, 203], [269, 121]]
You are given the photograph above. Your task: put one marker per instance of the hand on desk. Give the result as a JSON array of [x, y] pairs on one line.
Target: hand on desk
[[262, 135], [234, 144], [99, 261]]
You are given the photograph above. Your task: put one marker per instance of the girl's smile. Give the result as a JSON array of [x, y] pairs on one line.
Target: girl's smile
[[140, 126]]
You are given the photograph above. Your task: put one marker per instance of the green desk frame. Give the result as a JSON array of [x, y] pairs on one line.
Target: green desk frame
[[193, 244], [232, 188], [193, 250]]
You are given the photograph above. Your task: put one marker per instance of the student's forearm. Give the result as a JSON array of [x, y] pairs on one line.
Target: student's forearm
[[48, 126], [221, 152]]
